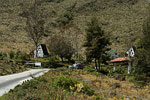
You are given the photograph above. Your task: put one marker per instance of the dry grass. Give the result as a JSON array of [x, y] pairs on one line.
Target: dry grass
[[121, 20], [10, 68], [111, 89]]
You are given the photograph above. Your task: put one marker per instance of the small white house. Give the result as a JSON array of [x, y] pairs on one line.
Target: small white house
[[41, 51], [131, 52]]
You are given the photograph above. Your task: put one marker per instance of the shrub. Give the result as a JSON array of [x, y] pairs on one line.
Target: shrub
[[87, 90], [11, 54], [95, 73], [33, 83], [141, 83], [130, 78], [21, 55], [41, 79], [73, 85], [98, 98], [89, 69], [121, 69], [2, 55], [104, 70], [24, 56], [141, 77], [64, 82], [52, 63], [52, 60]]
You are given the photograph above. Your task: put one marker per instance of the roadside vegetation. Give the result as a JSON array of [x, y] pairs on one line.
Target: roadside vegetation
[[66, 84], [13, 62]]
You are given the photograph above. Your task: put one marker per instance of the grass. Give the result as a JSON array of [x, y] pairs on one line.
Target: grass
[[49, 87], [10, 68], [16, 64]]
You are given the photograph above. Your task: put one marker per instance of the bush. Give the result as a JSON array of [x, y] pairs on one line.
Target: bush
[[64, 82], [2, 55], [52, 60], [121, 69], [95, 73], [141, 77], [104, 70], [141, 83], [87, 90], [89, 69], [11, 54], [52, 63], [73, 85], [33, 83], [130, 78], [22, 55]]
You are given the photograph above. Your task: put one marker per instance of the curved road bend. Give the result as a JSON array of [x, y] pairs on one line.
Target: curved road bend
[[11, 81]]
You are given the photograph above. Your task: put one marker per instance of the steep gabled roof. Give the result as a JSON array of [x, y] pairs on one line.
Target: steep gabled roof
[[44, 49]]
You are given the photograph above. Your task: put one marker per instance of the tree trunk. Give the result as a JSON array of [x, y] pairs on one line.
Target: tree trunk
[[95, 64], [36, 53], [99, 65]]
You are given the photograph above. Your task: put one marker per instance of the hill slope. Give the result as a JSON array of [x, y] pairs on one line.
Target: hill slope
[[122, 19]]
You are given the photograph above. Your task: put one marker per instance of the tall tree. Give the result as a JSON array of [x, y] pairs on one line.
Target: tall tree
[[96, 42], [142, 56], [61, 47], [34, 24], [68, 29], [72, 33]]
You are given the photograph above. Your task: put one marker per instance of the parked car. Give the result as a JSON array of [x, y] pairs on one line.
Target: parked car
[[77, 65]]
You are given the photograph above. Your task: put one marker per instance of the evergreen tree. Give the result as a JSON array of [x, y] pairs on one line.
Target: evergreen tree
[[142, 57], [96, 42]]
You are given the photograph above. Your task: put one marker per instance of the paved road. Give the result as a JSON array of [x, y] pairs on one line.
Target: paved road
[[11, 81]]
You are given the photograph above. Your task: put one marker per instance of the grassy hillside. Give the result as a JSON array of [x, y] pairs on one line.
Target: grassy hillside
[[122, 19]]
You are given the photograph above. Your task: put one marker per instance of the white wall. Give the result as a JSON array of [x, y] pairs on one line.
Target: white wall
[[40, 52]]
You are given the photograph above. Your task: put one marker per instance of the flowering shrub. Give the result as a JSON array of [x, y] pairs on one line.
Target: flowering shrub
[[64, 82], [72, 85]]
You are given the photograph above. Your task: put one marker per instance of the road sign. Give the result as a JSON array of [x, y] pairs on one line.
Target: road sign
[[38, 64]]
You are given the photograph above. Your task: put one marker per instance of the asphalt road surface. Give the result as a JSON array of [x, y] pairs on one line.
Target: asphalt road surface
[[11, 81]]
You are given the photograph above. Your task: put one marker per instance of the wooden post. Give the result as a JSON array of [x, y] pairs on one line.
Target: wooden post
[[129, 67]]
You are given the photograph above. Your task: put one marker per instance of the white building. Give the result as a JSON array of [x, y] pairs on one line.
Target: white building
[[41, 51], [131, 52]]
